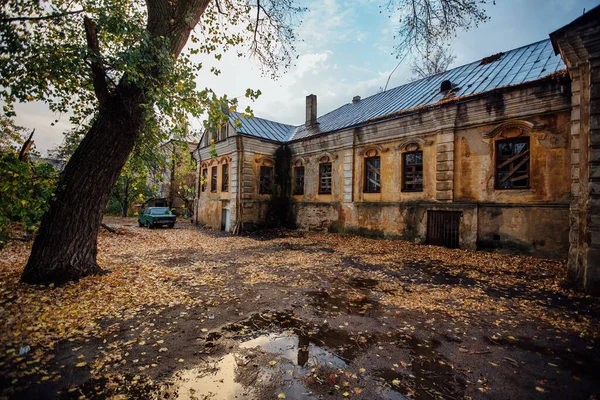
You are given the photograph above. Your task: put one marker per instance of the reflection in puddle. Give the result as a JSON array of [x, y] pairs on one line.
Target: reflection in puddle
[[296, 348], [216, 382]]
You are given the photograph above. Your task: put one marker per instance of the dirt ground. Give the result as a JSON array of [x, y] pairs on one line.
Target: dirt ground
[[192, 314]]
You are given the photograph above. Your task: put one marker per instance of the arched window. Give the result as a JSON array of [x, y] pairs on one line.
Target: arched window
[[372, 169], [326, 174]]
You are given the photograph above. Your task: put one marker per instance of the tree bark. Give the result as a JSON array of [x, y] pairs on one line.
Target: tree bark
[[65, 248]]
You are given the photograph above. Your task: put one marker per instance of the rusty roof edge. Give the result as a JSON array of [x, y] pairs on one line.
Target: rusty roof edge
[[562, 73]]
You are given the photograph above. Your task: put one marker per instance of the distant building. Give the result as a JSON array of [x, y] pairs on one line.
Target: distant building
[[176, 183], [498, 153]]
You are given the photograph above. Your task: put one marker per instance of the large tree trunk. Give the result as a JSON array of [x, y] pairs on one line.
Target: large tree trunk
[[65, 248]]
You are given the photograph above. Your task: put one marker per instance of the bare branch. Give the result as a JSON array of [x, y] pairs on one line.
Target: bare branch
[[41, 17], [219, 8], [98, 73]]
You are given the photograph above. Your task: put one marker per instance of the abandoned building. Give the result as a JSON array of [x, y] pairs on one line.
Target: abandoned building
[[503, 152]]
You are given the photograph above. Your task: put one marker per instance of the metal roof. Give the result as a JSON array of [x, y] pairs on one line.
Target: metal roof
[[262, 128], [524, 64]]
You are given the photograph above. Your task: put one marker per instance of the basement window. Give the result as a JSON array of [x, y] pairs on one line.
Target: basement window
[[266, 180], [512, 163], [213, 179], [412, 171], [225, 178], [204, 180], [372, 175], [299, 180], [325, 178]]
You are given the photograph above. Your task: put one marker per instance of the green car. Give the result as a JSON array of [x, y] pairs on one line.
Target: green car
[[156, 216]]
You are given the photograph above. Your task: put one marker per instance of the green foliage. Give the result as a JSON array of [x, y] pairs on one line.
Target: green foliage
[[25, 191], [133, 182]]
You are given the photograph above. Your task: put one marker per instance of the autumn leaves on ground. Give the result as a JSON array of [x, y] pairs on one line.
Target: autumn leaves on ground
[[186, 313]]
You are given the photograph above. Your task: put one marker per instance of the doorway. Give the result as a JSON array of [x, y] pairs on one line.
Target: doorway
[[443, 228]]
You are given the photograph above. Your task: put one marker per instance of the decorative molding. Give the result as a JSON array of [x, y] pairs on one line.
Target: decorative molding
[[327, 157], [300, 161], [524, 127], [210, 162], [372, 150], [225, 159], [266, 161], [413, 144]]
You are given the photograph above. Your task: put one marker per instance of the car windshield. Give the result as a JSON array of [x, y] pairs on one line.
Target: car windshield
[[159, 211]]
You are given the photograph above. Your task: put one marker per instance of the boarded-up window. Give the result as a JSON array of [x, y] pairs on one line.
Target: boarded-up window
[[372, 175], [213, 179], [512, 163], [225, 178], [204, 180], [412, 171], [266, 180], [325, 178], [298, 180]]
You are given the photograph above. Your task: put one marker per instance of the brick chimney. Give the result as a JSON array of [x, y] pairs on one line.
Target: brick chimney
[[311, 110]]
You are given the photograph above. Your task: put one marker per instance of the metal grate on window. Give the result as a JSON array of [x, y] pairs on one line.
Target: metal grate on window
[[412, 175], [512, 163], [325, 179], [372, 175]]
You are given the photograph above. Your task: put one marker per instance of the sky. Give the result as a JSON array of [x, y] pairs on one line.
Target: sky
[[345, 49]]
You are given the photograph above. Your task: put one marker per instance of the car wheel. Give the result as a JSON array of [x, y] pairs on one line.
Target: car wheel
[[171, 226], [149, 225], [140, 223]]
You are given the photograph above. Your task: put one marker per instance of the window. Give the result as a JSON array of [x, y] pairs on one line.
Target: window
[[213, 179], [412, 175], [204, 178], [222, 133], [225, 178], [512, 163], [266, 180], [325, 178], [372, 175], [298, 180]]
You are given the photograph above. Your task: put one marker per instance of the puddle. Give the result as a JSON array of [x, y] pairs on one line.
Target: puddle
[[297, 348], [217, 382]]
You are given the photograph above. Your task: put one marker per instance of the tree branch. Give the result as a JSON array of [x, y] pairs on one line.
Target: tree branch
[[41, 17], [219, 8], [26, 146], [98, 73]]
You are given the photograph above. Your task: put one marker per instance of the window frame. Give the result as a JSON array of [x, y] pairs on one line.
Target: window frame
[[225, 178], [214, 174], [414, 171], [204, 179], [328, 189], [510, 161], [262, 187], [367, 181], [299, 187]]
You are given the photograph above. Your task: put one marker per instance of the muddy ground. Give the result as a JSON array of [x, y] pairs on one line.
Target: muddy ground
[[186, 313]]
